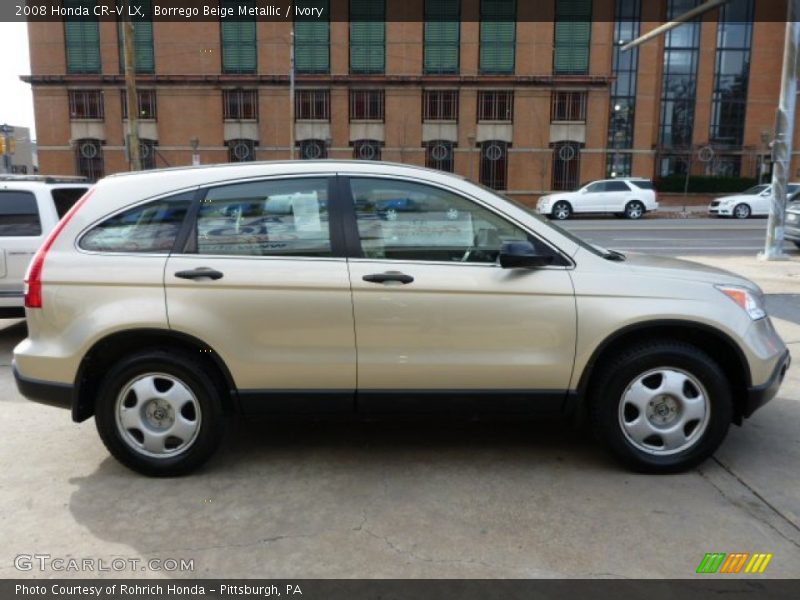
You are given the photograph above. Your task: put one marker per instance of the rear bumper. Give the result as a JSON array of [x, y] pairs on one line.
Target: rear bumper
[[758, 396], [44, 392]]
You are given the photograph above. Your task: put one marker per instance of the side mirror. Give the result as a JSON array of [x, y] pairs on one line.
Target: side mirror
[[522, 255]]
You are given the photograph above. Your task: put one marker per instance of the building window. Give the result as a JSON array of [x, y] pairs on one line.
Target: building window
[[496, 106], [366, 105], [494, 164], [82, 38], [568, 106], [367, 36], [439, 155], [312, 105], [312, 39], [627, 26], [147, 151], [678, 88], [240, 105], [440, 105], [238, 39], [144, 55], [731, 78], [566, 165], [367, 150], [241, 150], [313, 149], [573, 34], [147, 104], [85, 104], [89, 159], [498, 36], [442, 36]]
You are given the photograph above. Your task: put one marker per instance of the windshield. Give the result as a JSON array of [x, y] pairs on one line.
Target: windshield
[[593, 248], [755, 190]]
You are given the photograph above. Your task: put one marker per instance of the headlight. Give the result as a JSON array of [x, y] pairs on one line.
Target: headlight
[[751, 303], [791, 217]]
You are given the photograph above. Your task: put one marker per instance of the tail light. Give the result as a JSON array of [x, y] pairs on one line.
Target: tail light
[[33, 278]]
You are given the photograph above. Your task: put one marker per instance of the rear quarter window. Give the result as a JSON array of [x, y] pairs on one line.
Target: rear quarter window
[[643, 185], [149, 228], [19, 214]]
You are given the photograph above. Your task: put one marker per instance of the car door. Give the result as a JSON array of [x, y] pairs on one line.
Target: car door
[[264, 282], [592, 198], [439, 324], [617, 194]]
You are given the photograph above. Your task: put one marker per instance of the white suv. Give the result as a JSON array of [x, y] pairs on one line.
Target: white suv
[[628, 197], [30, 207]]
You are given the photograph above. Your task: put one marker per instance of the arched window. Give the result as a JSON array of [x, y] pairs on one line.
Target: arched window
[[439, 155], [566, 165], [494, 164], [313, 149], [367, 150], [241, 151]]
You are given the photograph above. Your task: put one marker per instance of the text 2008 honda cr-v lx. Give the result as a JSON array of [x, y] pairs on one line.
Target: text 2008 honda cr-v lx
[[165, 301]]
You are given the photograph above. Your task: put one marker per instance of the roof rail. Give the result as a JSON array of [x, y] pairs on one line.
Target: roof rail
[[45, 178]]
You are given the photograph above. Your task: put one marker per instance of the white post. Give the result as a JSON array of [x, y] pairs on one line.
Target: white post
[[784, 133]]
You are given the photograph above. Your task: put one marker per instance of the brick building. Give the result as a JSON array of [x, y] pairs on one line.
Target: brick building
[[524, 96]]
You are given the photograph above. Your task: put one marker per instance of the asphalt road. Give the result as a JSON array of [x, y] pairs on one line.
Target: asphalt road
[[675, 237]]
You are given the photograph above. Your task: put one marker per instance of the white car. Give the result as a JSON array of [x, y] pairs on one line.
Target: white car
[[30, 207], [753, 202], [625, 197]]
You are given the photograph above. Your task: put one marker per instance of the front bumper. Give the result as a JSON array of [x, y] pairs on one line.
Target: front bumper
[[44, 392], [758, 396]]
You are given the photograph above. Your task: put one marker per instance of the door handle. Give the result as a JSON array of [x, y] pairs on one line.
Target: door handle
[[390, 276], [200, 273]]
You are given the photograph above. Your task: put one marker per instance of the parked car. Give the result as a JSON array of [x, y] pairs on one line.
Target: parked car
[[753, 202], [30, 206], [792, 229], [148, 314], [631, 198]]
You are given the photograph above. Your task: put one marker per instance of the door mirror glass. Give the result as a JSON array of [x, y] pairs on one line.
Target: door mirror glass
[[522, 255]]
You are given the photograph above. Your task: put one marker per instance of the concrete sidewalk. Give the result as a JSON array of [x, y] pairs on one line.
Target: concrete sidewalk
[[774, 277]]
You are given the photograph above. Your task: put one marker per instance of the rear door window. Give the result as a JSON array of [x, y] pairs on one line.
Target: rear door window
[[65, 198], [19, 215], [280, 217], [148, 228], [616, 186], [643, 185]]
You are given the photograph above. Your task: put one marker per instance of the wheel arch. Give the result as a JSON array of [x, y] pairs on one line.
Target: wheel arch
[[713, 341], [111, 348]]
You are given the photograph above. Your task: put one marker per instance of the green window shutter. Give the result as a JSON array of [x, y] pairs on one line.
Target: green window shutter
[[573, 33], [143, 46], [498, 36], [442, 36], [367, 36], [238, 41], [82, 40], [312, 39]]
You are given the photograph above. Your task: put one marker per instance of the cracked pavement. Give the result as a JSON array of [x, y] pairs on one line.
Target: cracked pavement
[[401, 499]]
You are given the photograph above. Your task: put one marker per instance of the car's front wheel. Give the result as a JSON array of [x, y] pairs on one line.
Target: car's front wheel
[[662, 406], [561, 210], [741, 211], [159, 413]]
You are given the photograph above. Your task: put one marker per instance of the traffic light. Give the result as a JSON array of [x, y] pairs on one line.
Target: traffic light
[[2, 144]]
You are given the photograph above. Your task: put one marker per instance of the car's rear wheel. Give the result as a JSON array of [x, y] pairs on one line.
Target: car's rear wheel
[[662, 407], [741, 211], [634, 210], [159, 413], [561, 210]]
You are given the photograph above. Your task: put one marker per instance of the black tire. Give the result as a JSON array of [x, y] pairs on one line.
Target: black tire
[[561, 211], [206, 400], [623, 369], [797, 244], [634, 210], [741, 211]]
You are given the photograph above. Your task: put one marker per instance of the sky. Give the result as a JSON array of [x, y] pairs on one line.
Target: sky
[[16, 101]]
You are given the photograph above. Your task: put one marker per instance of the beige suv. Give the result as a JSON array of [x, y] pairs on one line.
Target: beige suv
[[167, 300]]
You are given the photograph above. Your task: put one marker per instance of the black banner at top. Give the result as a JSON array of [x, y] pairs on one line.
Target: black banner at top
[[355, 10]]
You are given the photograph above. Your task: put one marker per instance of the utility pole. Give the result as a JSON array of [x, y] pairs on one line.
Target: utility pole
[[132, 98], [784, 132], [291, 96]]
